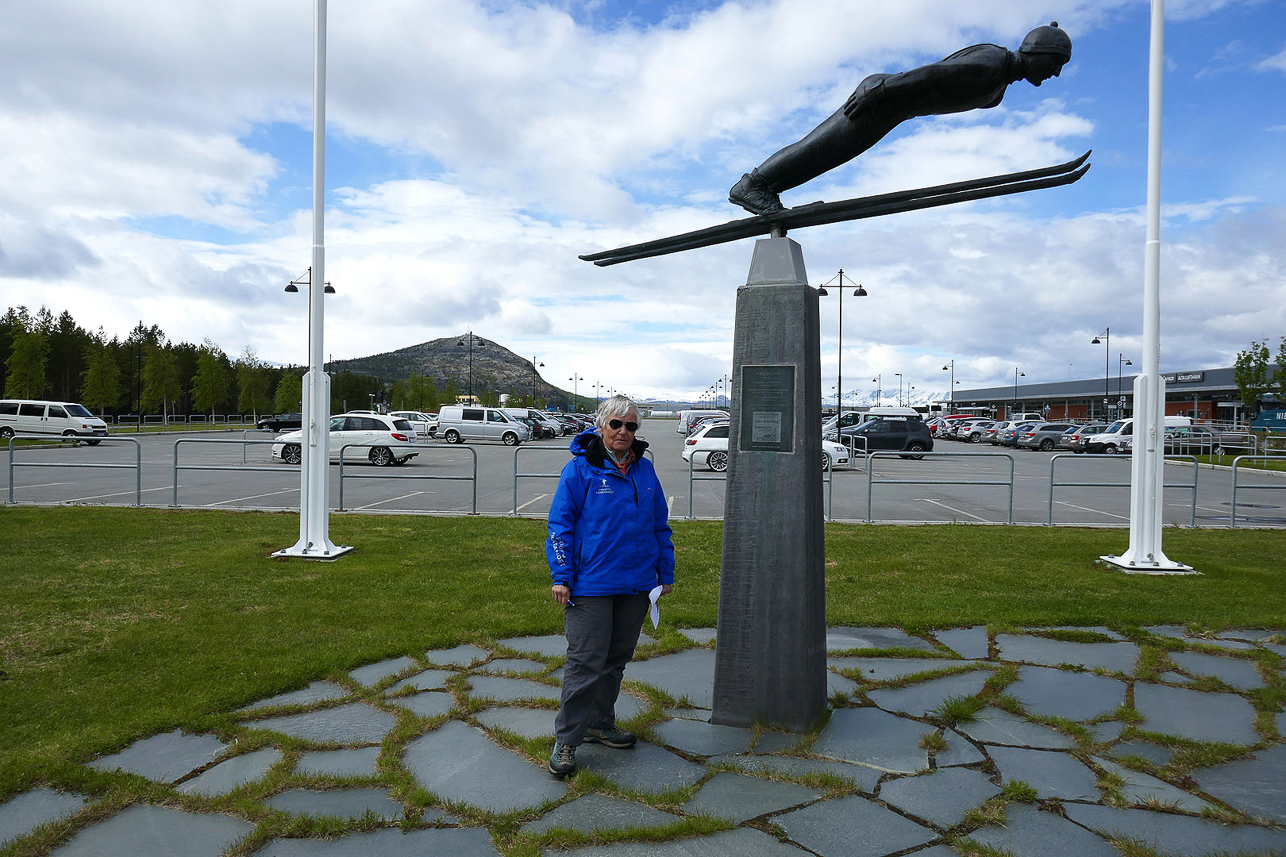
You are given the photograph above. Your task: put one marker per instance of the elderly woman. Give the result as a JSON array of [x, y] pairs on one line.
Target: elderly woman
[[609, 546]]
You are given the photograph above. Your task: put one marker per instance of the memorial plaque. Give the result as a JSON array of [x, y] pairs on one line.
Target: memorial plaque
[[767, 409]]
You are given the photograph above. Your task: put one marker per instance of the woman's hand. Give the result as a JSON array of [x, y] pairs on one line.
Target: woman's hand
[[562, 594], [665, 588]]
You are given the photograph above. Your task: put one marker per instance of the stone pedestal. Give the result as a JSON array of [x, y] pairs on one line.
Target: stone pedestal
[[770, 656]]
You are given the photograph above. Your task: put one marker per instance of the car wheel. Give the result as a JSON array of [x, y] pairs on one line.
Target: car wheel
[[381, 456], [452, 436], [1046, 445], [717, 461], [915, 446], [826, 461], [71, 436], [6, 433], [291, 453], [1110, 449], [510, 439], [94, 442]]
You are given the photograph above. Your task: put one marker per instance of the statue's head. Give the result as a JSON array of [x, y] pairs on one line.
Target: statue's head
[[1044, 52]]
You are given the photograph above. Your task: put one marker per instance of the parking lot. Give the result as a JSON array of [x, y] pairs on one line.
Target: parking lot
[[960, 483]]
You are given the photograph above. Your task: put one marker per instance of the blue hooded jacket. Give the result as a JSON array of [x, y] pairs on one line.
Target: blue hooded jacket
[[608, 531]]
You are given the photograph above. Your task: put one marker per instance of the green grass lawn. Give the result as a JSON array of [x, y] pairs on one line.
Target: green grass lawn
[[122, 623]]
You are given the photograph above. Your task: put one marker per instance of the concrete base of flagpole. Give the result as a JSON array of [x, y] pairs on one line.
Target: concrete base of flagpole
[[1160, 566], [323, 553]]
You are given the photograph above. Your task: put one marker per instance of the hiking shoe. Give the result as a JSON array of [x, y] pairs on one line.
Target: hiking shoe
[[610, 737], [563, 760], [753, 194]]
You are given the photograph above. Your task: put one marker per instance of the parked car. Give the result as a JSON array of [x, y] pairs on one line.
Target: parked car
[[690, 417], [1076, 438], [425, 425], [1010, 435], [709, 446], [1191, 440], [993, 432], [1109, 440], [380, 439], [458, 423], [281, 422], [900, 434], [972, 431], [1042, 436], [68, 419]]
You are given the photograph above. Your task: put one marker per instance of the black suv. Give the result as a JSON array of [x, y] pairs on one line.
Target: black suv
[[281, 422], [899, 434]]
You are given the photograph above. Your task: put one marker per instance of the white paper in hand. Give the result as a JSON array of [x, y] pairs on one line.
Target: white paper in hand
[[655, 612]]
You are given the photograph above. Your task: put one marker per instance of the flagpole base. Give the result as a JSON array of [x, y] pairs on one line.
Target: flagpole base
[[326, 552], [1157, 565]]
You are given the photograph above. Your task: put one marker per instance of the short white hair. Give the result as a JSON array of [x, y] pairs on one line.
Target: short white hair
[[616, 407]]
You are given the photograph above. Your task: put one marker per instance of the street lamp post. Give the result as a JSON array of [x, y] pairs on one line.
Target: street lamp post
[[899, 374], [879, 389], [1120, 394], [481, 344], [951, 391], [1017, 375], [859, 292], [1107, 356], [576, 379], [534, 373]]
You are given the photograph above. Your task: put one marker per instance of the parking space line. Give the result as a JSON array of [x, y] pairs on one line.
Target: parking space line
[[44, 485], [1095, 511], [253, 497], [533, 500], [389, 500], [117, 494], [953, 509]]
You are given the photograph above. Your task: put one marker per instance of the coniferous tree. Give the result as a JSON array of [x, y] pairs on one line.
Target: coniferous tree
[[27, 364], [252, 383], [161, 384], [101, 387], [211, 383]]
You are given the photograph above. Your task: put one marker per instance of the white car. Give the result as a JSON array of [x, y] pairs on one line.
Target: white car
[[378, 438], [709, 446], [425, 425]]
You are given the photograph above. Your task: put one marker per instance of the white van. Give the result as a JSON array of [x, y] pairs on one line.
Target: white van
[[856, 418], [67, 419], [692, 416], [1110, 440], [458, 423]]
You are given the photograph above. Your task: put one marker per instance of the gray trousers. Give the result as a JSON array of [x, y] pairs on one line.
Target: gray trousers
[[602, 632]]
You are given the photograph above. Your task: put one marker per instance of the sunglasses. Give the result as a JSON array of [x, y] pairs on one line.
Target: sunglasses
[[614, 425]]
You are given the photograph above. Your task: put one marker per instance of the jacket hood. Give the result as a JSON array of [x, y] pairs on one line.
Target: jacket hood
[[590, 444]]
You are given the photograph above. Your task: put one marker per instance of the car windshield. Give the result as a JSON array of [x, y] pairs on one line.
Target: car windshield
[[78, 411], [1114, 427]]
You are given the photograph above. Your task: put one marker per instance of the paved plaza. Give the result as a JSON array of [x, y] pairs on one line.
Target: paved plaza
[[1042, 742]]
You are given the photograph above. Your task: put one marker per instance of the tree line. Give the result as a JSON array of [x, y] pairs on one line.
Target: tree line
[[1256, 376]]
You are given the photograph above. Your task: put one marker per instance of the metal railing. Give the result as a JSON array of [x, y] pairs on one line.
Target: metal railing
[[137, 466], [257, 468], [713, 476], [1236, 462], [647, 453], [1054, 483], [872, 481], [472, 478]]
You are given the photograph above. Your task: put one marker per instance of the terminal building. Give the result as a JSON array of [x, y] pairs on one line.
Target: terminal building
[[1206, 395]]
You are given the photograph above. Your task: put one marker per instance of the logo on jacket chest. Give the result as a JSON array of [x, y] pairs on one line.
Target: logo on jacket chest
[[604, 488]]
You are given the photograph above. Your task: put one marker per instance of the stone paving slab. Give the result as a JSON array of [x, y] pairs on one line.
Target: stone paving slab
[[524, 722], [704, 739], [919, 700], [514, 665], [510, 689], [340, 763], [22, 814], [427, 680], [447, 763], [1215, 642], [1107, 731], [340, 803], [777, 742], [1179, 834], [548, 646], [372, 674], [1076, 696], [1256, 785], [684, 674], [700, 636], [853, 827], [1097, 629], [1234, 672], [836, 683], [1050, 772], [628, 707], [941, 798], [600, 812], [1140, 789], [966, 642], [863, 778], [1252, 635], [887, 669], [876, 738], [228, 776], [164, 758], [843, 638], [1029, 832], [355, 723], [739, 798], [958, 752], [742, 842], [430, 703], [1154, 753], [1115, 657], [156, 831], [460, 656], [644, 768], [318, 691], [455, 842], [1195, 715], [996, 726]]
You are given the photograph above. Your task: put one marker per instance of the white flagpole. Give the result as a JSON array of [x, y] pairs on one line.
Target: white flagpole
[[314, 471], [1147, 466]]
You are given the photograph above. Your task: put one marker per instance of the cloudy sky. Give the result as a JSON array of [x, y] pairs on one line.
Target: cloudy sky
[[157, 167]]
